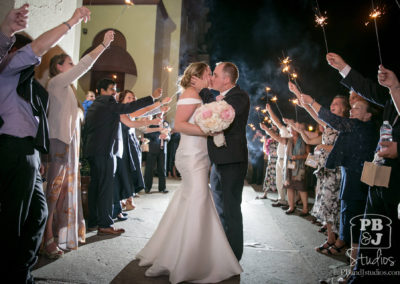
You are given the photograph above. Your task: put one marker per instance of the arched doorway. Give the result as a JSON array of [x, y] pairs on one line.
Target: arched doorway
[[115, 62]]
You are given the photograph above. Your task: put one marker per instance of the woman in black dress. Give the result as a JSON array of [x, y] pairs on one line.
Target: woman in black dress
[[128, 179]]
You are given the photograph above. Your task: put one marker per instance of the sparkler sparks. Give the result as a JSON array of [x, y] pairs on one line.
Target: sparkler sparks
[[322, 22], [375, 14]]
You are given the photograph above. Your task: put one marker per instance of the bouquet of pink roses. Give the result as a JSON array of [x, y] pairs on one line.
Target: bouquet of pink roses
[[213, 118]]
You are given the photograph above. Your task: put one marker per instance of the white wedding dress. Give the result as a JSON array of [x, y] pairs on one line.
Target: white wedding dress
[[189, 243]]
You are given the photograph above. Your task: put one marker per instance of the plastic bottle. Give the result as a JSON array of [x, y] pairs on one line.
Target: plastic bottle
[[385, 135]]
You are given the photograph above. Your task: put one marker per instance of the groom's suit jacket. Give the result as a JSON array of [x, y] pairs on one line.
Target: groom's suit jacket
[[235, 135]]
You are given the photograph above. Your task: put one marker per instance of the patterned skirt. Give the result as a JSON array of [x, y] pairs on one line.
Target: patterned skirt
[[63, 193], [270, 174], [327, 204]]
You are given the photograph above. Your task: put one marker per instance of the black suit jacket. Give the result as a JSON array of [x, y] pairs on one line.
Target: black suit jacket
[[101, 124], [155, 141], [235, 135]]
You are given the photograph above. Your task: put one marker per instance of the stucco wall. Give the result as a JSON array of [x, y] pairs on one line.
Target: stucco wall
[[44, 15], [138, 25]]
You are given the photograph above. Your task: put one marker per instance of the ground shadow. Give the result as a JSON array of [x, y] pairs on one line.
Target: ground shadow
[[133, 273]]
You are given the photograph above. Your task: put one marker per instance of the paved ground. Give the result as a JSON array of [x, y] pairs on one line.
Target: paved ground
[[278, 248]]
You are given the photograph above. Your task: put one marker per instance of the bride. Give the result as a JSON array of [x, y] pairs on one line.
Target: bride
[[189, 243]]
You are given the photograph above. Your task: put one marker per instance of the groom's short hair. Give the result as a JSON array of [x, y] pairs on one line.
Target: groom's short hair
[[231, 70]]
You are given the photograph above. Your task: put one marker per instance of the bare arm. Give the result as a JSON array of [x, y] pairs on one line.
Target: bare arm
[[274, 118], [273, 134], [135, 124], [293, 88], [184, 113], [50, 38]]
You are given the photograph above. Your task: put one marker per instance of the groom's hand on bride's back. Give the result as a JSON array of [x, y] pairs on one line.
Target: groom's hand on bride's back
[[198, 83]]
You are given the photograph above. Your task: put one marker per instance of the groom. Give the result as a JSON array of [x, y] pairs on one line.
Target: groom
[[229, 163]]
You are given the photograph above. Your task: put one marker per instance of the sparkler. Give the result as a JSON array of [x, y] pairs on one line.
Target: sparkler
[[169, 70], [251, 125], [267, 89], [295, 102], [257, 108], [275, 100], [376, 13], [285, 65], [128, 3], [321, 21], [294, 76]]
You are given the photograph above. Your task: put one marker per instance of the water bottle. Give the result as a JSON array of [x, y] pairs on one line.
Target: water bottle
[[385, 135]]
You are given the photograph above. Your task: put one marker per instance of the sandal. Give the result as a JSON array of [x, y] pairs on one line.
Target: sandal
[[337, 250], [323, 247], [54, 254], [322, 229]]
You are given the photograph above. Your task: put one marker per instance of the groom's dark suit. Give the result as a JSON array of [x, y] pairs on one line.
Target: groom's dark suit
[[230, 167]]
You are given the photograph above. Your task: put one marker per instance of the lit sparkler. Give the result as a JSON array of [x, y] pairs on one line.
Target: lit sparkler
[[376, 13], [295, 102], [275, 100], [321, 21], [128, 3]]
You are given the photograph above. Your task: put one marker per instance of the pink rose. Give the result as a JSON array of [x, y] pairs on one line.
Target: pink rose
[[206, 114], [227, 114]]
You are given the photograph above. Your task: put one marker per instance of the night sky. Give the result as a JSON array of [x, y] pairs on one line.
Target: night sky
[[255, 34]]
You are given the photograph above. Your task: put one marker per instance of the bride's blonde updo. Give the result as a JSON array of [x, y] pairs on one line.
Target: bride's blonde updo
[[194, 69]]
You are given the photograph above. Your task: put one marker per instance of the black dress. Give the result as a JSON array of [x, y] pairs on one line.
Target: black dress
[[128, 177]]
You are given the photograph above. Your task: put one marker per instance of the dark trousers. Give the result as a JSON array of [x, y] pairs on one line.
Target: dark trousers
[[227, 187], [23, 208], [151, 160], [379, 265], [101, 191]]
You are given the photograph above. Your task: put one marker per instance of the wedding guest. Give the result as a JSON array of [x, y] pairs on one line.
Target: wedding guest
[[63, 194], [381, 200], [15, 21], [23, 104], [355, 144], [270, 149], [257, 158], [102, 143], [294, 177], [156, 157], [284, 133], [128, 178], [327, 202], [90, 97], [172, 147]]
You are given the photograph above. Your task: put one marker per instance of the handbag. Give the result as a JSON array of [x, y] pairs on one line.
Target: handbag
[[312, 161], [291, 164]]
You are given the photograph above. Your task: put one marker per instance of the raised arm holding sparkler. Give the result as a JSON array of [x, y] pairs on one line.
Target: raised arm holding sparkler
[[316, 140], [273, 134], [388, 79], [293, 88]]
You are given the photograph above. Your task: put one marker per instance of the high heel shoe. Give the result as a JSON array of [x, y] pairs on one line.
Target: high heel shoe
[[54, 254]]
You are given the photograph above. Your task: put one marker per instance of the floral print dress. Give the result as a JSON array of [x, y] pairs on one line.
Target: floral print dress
[[327, 203], [271, 147]]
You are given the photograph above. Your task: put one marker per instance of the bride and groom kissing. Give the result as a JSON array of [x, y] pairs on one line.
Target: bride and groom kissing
[[200, 236]]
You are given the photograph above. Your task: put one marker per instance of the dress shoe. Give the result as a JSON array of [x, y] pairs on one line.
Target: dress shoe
[[110, 231], [121, 217], [164, 191], [124, 214]]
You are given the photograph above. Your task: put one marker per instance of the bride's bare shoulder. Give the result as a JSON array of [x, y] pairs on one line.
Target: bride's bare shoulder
[[189, 93]]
